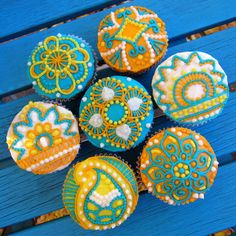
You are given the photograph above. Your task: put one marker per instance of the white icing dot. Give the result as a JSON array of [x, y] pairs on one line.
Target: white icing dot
[[197, 136], [128, 68], [82, 45], [59, 35], [179, 133], [40, 43], [90, 64], [201, 195], [150, 143], [102, 145], [129, 79], [213, 169], [80, 87], [195, 195], [200, 142], [173, 129], [29, 63], [148, 125], [156, 140], [84, 99], [34, 82], [58, 95]]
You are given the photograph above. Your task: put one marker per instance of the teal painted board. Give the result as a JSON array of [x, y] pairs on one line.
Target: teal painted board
[[21, 17], [24, 195], [152, 217], [182, 17], [221, 45]]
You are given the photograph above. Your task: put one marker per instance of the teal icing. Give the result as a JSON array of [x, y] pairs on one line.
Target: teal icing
[[117, 95], [65, 80], [113, 217], [203, 159], [107, 22], [169, 111], [49, 136], [69, 193], [117, 57], [142, 11], [156, 45], [29, 124], [122, 167]]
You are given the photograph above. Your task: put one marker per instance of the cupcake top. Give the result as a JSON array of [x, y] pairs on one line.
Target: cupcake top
[[116, 113], [132, 39], [61, 66], [178, 165], [190, 87], [100, 192], [43, 138]]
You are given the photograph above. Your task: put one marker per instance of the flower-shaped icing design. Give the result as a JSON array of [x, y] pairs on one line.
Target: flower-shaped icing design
[[178, 166], [190, 87], [132, 39], [39, 132], [116, 113], [100, 192], [61, 66]]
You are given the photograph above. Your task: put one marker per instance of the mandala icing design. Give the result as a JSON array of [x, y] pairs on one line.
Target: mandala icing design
[[116, 112], [190, 87], [61, 66], [100, 193], [41, 136], [178, 166], [132, 39]]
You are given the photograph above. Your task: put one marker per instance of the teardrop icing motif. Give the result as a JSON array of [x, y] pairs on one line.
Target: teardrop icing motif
[[100, 192]]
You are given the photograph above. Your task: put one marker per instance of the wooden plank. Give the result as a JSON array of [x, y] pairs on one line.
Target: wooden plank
[[22, 16], [152, 217], [182, 18], [24, 195], [221, 45]]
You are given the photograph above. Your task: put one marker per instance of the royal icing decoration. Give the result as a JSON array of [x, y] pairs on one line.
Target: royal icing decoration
[[178, 166], [43, 138], [132, 39], [190, 87], [115, 113], [61, 66], [100, 192]]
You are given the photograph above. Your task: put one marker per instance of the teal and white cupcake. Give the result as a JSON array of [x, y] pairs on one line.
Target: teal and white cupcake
[[190, 87], [61, 66], [116, 113]]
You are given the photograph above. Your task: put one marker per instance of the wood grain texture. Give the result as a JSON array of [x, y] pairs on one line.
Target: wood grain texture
[[40, 14], [182, 17], [152, 217], [221, 45]]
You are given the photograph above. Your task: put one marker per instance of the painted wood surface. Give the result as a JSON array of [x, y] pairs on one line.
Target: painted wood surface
[[24, 195], [182, 17], [152, 217], [221, 45], [21, 17]]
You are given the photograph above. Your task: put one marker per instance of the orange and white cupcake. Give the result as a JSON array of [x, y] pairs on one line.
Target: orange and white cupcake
[[43, 138]]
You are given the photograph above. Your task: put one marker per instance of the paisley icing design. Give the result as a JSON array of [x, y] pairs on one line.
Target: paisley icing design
[[114, 111], [61, 66], [178, 166], [43, 138], [132, 39], [190, 87], [100, 192]]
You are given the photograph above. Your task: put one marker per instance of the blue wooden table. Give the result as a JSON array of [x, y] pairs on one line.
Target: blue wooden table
[[24, 196]]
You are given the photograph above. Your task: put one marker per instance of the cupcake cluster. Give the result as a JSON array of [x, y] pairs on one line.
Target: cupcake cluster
[[177, 165]]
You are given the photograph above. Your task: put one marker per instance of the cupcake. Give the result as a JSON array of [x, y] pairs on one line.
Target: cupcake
[[132, 39], [178, 166], [100, 192], [190, 87], [61, 66], [116, 113], [43, 138]]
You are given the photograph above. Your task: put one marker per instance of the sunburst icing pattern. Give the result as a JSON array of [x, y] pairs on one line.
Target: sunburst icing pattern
[[61, 66], [132, 39], [116, 113], [100, 192], [43, 138], [178, 166], [190, 87]]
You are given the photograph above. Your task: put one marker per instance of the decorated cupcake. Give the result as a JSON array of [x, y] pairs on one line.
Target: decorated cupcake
[[190, 87], [132, 39], [178, 165], [100, 192], [116, 113], [61, 66], [43, 138]]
